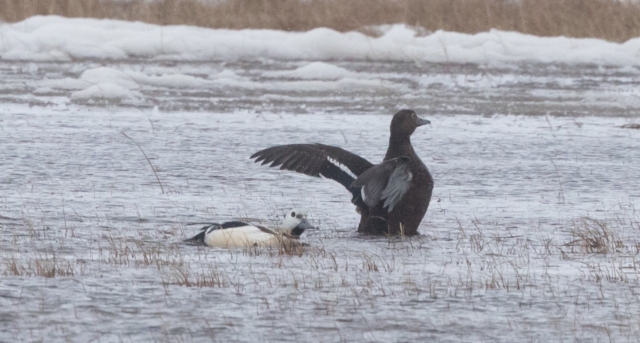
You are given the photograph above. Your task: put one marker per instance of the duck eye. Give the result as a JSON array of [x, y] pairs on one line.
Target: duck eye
[[413, 115], [293, 214]]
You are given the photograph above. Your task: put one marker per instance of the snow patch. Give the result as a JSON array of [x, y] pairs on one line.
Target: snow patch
[[109, 75], [101, 82], [105, 90], [45, 38]]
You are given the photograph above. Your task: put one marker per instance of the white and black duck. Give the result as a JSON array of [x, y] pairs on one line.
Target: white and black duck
[[242, 234]]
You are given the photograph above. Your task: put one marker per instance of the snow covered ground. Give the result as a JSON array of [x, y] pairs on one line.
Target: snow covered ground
[[532, 234], [59, 39]]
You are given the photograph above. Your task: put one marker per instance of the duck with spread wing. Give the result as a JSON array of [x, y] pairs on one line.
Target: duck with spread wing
[[392, 197]]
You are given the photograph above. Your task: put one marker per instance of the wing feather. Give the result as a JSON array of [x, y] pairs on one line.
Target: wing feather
[[388, 181], [284, 155], [317, 160], [397, 187]]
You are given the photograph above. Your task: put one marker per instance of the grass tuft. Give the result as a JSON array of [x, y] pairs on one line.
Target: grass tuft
[[594, 237], [183, 276], [47, 264]]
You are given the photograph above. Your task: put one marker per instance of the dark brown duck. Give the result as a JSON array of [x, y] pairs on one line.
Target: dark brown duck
[[392, 197]]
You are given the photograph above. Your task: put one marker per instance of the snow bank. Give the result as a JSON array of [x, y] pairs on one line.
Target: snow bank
[[56, 38]]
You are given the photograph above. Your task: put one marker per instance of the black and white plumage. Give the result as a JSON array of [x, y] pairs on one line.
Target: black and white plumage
[[241, 234], [392, 197]]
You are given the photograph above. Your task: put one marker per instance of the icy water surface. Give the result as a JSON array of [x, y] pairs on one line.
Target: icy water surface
[[532, 234], [339, 87]]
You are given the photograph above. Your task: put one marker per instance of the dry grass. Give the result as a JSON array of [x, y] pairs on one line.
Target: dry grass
[[291, 247], [613, 20], [184, 276], [594, 237], [631, 126], [47, 264]]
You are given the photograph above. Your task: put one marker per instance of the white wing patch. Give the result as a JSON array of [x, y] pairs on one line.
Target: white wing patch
[[342, 167]]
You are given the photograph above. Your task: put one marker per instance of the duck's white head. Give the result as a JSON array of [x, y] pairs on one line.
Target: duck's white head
[[295, 222]]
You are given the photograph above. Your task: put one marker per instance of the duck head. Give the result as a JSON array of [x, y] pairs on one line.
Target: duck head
[[405, 122], [295, 222]]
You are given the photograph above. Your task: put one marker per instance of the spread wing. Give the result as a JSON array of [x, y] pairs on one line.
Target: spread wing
[[388, 181], [316, 160]]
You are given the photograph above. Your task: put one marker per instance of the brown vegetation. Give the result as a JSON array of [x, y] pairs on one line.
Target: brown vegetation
[[615, 20], [595, 236]]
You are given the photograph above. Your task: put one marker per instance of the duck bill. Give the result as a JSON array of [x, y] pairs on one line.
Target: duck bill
[[305, 225], [423, 122]]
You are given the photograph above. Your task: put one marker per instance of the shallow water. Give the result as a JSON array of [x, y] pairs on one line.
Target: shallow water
[[532, 233]]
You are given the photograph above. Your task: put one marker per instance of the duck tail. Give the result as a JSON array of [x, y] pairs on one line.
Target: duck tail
[[199, 238]]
